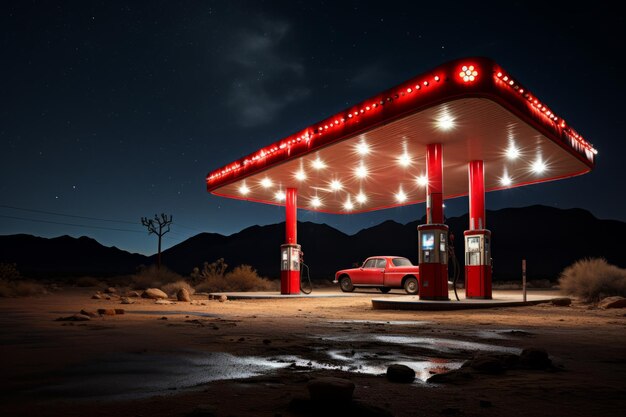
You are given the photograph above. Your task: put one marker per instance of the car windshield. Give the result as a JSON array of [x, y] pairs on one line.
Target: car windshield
[[401, 262]]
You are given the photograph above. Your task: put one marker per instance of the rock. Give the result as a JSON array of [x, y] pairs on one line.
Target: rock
[[106, 311], [613, 302], [222, 298], [400, 373], [487, 365], [119, 311], [133, 294], [154, 294], [162, 318], [88, 313], [561, 302], [75, 317], [110, 290], [164, 302], [183, 295], [452, 377], [329, 390], [534, 358], [126, 300], [96, 296]]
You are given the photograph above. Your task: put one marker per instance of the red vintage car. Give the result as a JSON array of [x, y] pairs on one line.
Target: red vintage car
[[382, 272]]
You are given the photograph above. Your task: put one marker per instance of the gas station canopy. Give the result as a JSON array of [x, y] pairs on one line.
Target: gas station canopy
[[373, 155]]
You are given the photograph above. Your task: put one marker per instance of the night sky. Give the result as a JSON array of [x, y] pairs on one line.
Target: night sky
[[115, 110]]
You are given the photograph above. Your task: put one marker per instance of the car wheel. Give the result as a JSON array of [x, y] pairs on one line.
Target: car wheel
[[384, 290], [411, 286], [346, 284]]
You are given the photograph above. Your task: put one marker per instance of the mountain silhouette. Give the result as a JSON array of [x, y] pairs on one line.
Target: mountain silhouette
[[548, 238]]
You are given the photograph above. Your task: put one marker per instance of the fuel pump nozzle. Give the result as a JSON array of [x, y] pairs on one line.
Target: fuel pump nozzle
[[303, 266], [454, 263]]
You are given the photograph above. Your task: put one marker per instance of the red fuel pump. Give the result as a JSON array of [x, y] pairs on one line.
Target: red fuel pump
[[478, 264], [290, 268], [433, 261]]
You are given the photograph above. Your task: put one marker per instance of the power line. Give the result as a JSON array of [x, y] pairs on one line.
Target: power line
[[71, 224], [67, 215], [79, 217]]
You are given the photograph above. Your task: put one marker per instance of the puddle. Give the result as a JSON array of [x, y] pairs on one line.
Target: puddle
[[501, 334], [169, 313], [146, 374], [383, 322], [434, 343], [140, 375]]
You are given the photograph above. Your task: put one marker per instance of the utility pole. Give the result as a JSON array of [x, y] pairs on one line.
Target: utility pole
[[158, 226]]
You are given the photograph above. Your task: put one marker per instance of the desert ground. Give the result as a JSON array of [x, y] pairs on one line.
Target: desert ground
[[256, 357]]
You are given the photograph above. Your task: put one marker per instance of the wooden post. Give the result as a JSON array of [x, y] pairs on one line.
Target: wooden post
[[524, 278]]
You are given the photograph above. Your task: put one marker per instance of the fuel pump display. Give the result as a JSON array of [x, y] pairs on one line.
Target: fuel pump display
[[290, 268], [433, 261], [478, 264]]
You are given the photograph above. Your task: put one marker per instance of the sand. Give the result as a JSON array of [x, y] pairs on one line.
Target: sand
[[252, 357]]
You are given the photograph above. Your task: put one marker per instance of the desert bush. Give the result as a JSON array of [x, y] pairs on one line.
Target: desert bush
[[213, 270], [593, 279], [9, 272], [20, 288], [242, 278], [154, 277], [88, 282], [172, 288]]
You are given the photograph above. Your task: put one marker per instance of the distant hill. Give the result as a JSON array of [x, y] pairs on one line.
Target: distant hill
[[66, 255], [549, 239]]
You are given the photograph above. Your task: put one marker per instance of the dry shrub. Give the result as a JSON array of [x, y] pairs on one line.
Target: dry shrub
[[154, 277], [241, 278], [88, 282], [20, 288], [593, 279], [173, 287], [9, 272]]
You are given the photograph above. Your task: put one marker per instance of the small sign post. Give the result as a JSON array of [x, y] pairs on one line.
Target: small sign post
[[524, 278]]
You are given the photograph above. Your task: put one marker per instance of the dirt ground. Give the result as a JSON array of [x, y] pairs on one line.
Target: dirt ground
[[252, 357]]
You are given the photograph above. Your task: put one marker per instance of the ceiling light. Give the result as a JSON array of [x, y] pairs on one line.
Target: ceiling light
[[335, 185], [316, 202], [280, 196], [348, 205], [361, 171], [362, 148], [318, 164], [300, 175], [243, 189], [404, 160], [361, 198], [266, 182], [512, 152], [505, 180], [401, 196], [422, 180], [538, 166], [445, 122]]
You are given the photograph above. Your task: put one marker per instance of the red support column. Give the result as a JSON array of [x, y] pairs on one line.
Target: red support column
[[433, 236], [476, 195], [434, 189], [290, 251], [291, 216], [477, 238]]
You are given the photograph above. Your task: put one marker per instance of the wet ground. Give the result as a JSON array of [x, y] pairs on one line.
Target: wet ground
[[132, 375]]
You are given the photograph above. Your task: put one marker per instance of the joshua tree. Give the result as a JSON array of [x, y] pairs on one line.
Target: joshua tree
[[159, 226]]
